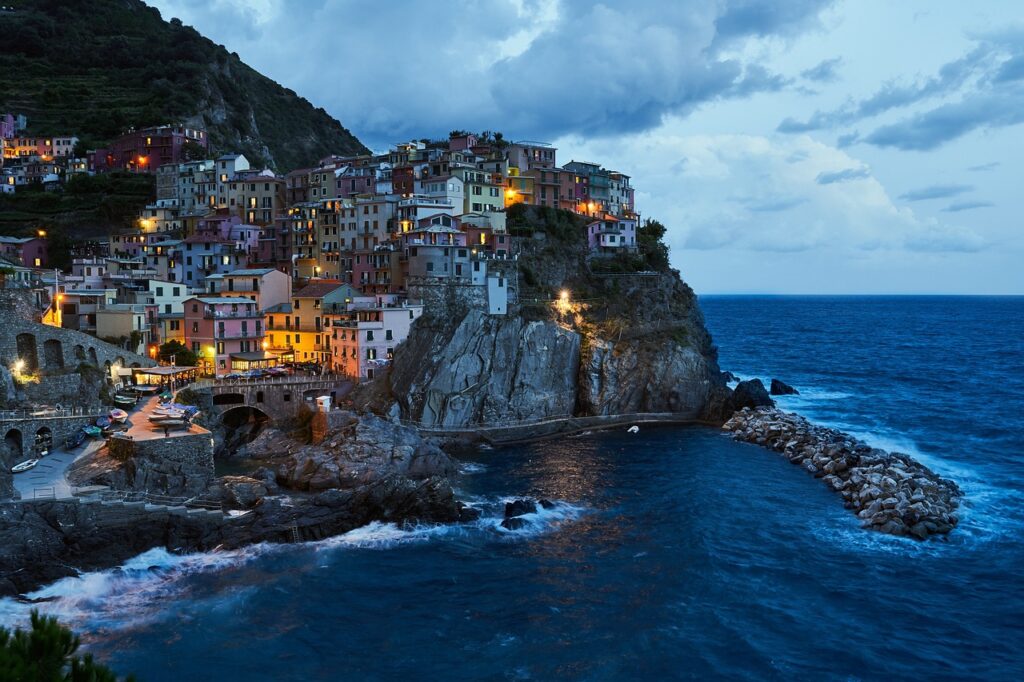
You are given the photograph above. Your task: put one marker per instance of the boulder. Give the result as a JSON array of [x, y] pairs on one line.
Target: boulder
[[751, 393], [243, 492], [519, 508], [514, 523], [782, 388]]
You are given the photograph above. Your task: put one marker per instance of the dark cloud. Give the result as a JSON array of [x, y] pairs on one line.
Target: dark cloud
[[992, 165], [935, 192], [951, 77], [967, 206], [848, 139], [743, 18], [845, 175], [597, 69], [825, 72], [948, 122]]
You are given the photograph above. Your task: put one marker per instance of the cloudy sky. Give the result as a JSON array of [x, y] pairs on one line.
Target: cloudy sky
[[805, 146]]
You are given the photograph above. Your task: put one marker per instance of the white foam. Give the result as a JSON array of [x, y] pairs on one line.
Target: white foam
[[129, 594], [470, 468]]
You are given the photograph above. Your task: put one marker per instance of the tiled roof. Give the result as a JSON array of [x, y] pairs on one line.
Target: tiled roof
[[317, 289]]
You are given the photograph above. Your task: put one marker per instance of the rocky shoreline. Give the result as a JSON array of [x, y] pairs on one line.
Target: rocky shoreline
[[889, 492]]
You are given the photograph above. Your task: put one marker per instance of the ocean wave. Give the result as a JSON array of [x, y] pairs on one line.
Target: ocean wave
[[470, 468], [131, 594]]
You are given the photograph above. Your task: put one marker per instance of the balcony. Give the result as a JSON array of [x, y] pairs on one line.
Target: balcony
[[238, 334], [232, 314]]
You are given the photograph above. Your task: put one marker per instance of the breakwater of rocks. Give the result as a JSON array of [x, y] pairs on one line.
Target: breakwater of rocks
[[889, 491]]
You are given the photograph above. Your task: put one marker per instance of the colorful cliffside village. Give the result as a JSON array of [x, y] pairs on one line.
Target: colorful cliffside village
[[328, 265]]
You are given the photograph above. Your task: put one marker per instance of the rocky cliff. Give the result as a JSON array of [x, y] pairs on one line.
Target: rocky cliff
[[626, 337]]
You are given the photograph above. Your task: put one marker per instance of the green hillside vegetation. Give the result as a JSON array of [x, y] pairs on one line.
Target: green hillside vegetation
[[89, 207], [96, 67]]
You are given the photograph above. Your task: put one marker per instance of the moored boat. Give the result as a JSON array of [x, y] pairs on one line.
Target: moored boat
[[24, 466], [118, 416]]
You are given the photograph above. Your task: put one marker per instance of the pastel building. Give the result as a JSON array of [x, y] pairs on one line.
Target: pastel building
[[145, 150], [265, 286], [28, 251], [225, 332], [363, 343], [612, 235]]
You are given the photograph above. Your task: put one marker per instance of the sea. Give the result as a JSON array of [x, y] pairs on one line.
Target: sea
[[672, 553]]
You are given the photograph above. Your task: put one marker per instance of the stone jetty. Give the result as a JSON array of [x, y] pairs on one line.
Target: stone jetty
[[889, 491]]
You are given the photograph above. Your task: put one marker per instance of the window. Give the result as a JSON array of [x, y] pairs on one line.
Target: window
[[177, 291], [220, 348], [159, 291], [195, 327], [388, 336], [371, 353], [430, 267], [369, 335]]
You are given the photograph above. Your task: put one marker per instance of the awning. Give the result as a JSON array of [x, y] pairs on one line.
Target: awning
[[255, 356], [165, 371]]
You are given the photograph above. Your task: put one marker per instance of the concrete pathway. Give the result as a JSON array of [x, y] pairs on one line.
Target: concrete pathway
[[49, 477]]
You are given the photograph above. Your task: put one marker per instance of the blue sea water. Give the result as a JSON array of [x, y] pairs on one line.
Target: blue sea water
[[675, 553]]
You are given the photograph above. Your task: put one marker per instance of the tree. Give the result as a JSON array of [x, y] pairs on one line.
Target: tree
[[47, 653], [650, 238], [183, 356]]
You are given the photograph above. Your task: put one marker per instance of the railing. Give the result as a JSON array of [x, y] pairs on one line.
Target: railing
[[232, 314], [316, 380], [155, 499], [47, 413]]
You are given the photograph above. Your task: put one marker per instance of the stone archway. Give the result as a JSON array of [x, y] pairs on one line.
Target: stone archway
[[95, 361], [27, 352], [53, 354], [242, 424], [14, 449], [79, 352], [229, 399], [136, 365]]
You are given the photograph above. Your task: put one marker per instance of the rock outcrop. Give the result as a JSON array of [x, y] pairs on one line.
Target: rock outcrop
[[890, 492], [751, 393], [357, 451], [466, 368], [782, 388], [44, 541]]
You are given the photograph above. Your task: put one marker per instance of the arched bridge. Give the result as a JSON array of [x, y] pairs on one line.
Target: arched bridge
[[278, 398]]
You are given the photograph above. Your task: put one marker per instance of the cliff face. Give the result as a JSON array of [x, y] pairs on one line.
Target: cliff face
[[624, 343], [486, 370]]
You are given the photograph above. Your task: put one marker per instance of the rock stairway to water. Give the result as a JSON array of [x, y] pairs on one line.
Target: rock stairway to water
[[889, 491]]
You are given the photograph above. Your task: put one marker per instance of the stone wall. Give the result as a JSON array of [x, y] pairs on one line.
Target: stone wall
[[176, 465], [44, 347], [66, 390], [23, 432]]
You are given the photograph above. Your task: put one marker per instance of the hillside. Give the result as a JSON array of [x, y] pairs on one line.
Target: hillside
[[96, 67]]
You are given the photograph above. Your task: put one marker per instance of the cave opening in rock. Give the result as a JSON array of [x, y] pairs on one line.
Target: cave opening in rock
[[241, 426]]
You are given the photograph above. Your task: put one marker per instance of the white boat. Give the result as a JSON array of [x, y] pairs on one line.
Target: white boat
[[119, 416], [633, 429], [24, 466]]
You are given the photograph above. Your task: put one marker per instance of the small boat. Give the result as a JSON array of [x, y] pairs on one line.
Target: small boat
[[633, 429], [118, 416], [92, 431], [124, 400], [74, 440], [171, 422], [103, 422], [24, 466], [147, 389]]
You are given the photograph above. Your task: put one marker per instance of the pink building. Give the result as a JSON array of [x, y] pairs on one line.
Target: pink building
[[226, 333], [28, 251]]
